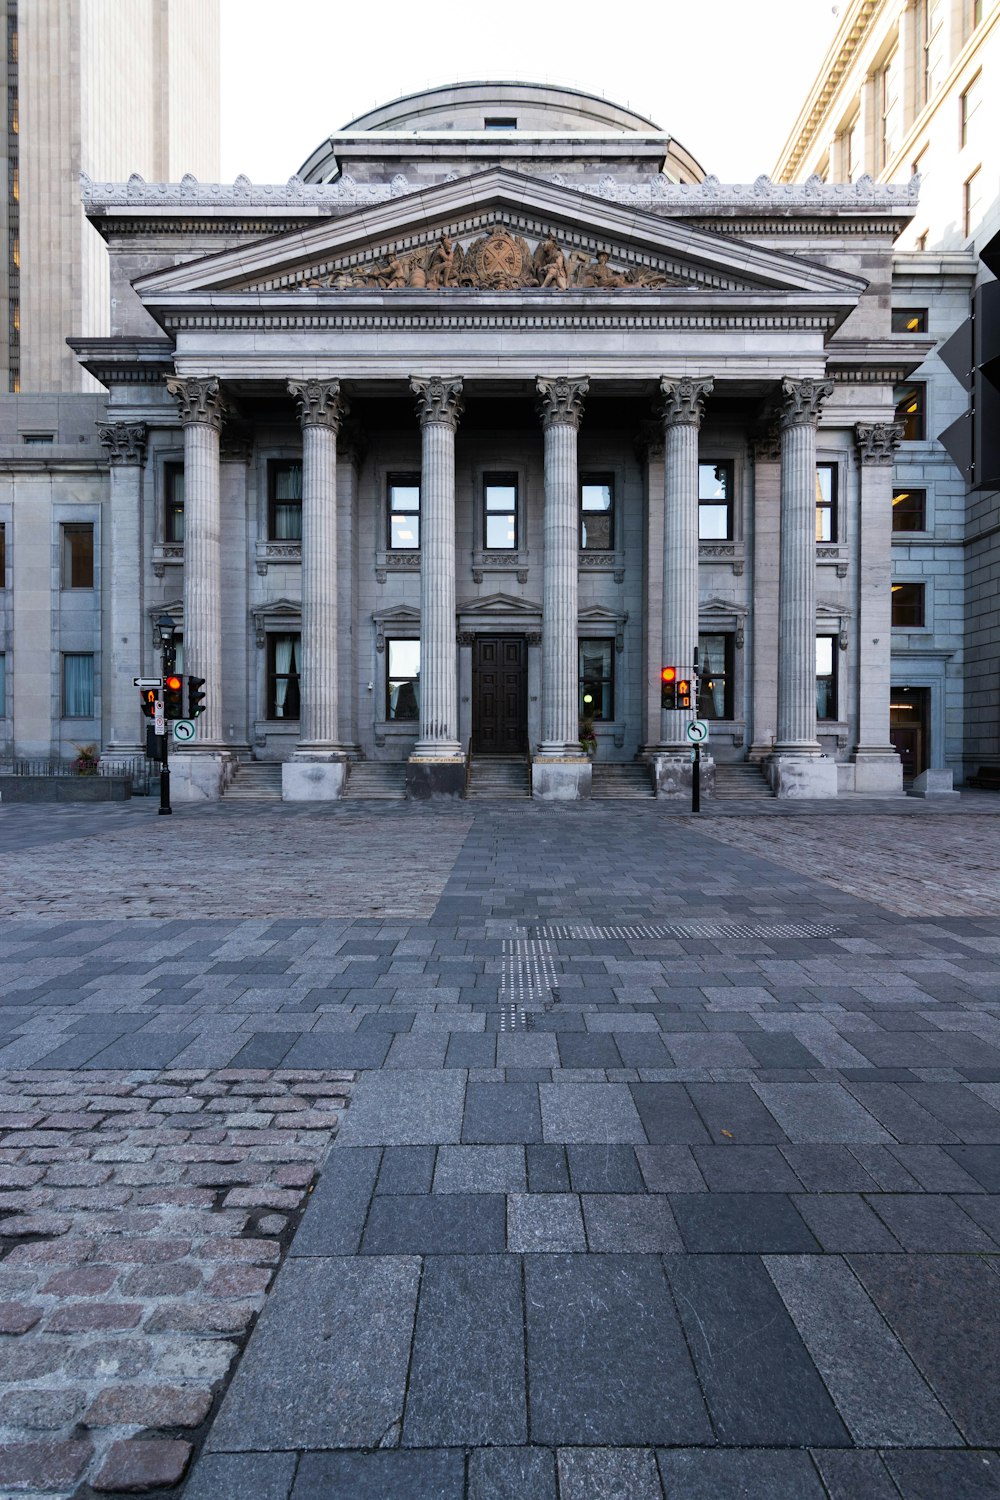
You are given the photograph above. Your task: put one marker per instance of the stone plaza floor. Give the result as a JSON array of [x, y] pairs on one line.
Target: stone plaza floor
[[500, 1152]]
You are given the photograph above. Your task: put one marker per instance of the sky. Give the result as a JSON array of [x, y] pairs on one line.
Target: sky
[[726, 78]]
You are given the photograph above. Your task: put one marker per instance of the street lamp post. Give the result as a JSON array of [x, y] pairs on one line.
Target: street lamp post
[[167, 630]]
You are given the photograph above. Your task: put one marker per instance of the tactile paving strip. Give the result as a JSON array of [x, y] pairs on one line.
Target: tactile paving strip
[[584, 931]]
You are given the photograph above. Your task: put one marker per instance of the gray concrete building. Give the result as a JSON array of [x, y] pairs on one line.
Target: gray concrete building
[[437, 454]]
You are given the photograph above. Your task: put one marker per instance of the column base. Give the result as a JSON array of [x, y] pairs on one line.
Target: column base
[[938, 784], [673, 774], [313, 776], [561, 778], [202, 777], [879, 770], [428, 779], [803, 777]]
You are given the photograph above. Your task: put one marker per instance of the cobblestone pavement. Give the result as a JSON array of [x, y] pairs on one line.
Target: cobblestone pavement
[[669, 1170]]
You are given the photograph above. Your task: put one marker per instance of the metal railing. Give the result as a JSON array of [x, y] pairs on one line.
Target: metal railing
[[138, 769]]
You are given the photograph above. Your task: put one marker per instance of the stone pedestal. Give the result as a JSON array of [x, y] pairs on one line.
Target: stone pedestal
[[566, 780], [200, 776], [879, 774], [312, 776], [428, 778], [936, 784], [673, 775], [801, 777]]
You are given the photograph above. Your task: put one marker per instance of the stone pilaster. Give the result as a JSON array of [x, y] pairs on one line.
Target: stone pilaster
[[796, 744], [122, 545], [877, 766], [437, 763], [561, 768], [202, 409], [681, 411]]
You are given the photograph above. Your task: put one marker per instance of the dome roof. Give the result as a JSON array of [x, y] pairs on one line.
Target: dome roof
[[545, 107]]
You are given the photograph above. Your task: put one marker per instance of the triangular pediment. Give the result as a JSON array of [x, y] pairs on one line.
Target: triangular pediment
[[499, 604], [497, 232]]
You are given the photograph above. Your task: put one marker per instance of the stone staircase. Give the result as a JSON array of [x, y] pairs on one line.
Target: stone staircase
[[255, 781], [621, 782], [741, 781], [376, 780], [498, 776]]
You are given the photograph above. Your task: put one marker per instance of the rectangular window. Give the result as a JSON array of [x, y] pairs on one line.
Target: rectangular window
[[907, 606], [284, 502], [78, 556], [78, 686], [891, 109], [934, 46], [283, 652], [715, 501], [909, 510], [3, 685], [909, 320], [911, 410], [403, 680], [404, 513], [968, 109], [38, 439], [173, 481], [500, 512], [597, 698], [500, 122], [826, 677], [3, 556], [826, 502], [855, 156], [597, 512], [972, 202], [715, 680]]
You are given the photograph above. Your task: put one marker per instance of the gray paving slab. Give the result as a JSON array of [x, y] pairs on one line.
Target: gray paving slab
[[960, 1476], [233, 1476], [711, 1473], [501, 1114], [821, 1112], [328, 1361], [405, 1109], [435, 1224], [608, 1473], [381, 1476], [512, 1474], [335, 1217], [544, 1222], [858, 1475]]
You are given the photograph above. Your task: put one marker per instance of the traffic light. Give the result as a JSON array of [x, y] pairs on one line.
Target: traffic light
[[173, 696], [147, 701], [195, 696], [683, 693], [668, 687]]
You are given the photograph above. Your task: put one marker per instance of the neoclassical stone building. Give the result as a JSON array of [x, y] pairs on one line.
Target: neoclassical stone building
[[443, 449]]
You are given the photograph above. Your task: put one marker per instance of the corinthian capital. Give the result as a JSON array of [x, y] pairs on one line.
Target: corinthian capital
[[199, 398], [877, 441], [320, 402], [437, 400], [683, 403], [560, 400], [125, 441], [802, 400]]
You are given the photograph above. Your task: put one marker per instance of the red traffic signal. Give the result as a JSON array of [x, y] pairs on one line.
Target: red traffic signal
[[173, 696], [668, 687]]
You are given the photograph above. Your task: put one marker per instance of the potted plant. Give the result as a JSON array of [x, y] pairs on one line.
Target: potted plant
[[588, 738], [87, 760]]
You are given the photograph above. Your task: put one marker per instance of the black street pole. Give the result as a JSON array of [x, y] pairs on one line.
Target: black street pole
[[165, 808], [696, 780]]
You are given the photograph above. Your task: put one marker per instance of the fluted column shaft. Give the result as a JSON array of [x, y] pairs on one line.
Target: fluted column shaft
[[876, 445], [560, 406], [439, 407], [202, 410], [682, 411], [321, 410], [122, 547], [797, 570]]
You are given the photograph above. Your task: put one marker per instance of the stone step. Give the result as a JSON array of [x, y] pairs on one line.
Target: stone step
[[742, 781], [376, 780], [498, 776], [256, 781], [627, 781]]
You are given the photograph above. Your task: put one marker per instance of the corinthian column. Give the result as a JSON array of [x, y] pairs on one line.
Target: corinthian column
[[122, 546], [439, 407], [202, 409], [681, 411], [321, 411], [877, 766], [560, 406]]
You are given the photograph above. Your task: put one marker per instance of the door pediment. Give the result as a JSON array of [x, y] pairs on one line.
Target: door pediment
[[506, 605], [495, 232]]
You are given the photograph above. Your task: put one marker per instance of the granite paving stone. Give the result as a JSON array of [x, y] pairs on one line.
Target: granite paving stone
[[960, 1476], [512, 1474], [435, 1224], [381, 1476], [710, 1473], [501, 1114], [727, 1223], [612, 1473], [857, 1475]]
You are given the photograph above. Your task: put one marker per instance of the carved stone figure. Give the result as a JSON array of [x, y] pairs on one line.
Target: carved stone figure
[[443, 263], [550, 265]]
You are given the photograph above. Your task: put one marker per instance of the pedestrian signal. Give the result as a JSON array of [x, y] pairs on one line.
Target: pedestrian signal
[[683, 693], [147, 701]]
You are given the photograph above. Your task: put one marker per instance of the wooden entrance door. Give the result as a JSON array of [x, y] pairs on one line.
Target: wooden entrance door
[[908, 728], [499, 695]]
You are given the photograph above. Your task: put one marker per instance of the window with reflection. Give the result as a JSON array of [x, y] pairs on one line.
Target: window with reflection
[[715, 501], [907, 606], [283, 666], [500, 512], [597, 679], [826, 677], [715, 679], [909, 510], [284, 504], [404, 512], [403, 681], [911, 410], [597, 512], [909, 320], [826, 502], [3, 556], [173, 483], [78, 556], [78, 685]]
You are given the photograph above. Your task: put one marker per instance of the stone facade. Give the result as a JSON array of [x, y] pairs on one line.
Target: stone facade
[[454, 451]]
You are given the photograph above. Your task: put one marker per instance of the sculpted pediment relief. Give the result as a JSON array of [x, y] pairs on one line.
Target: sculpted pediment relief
[[498, 261]]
